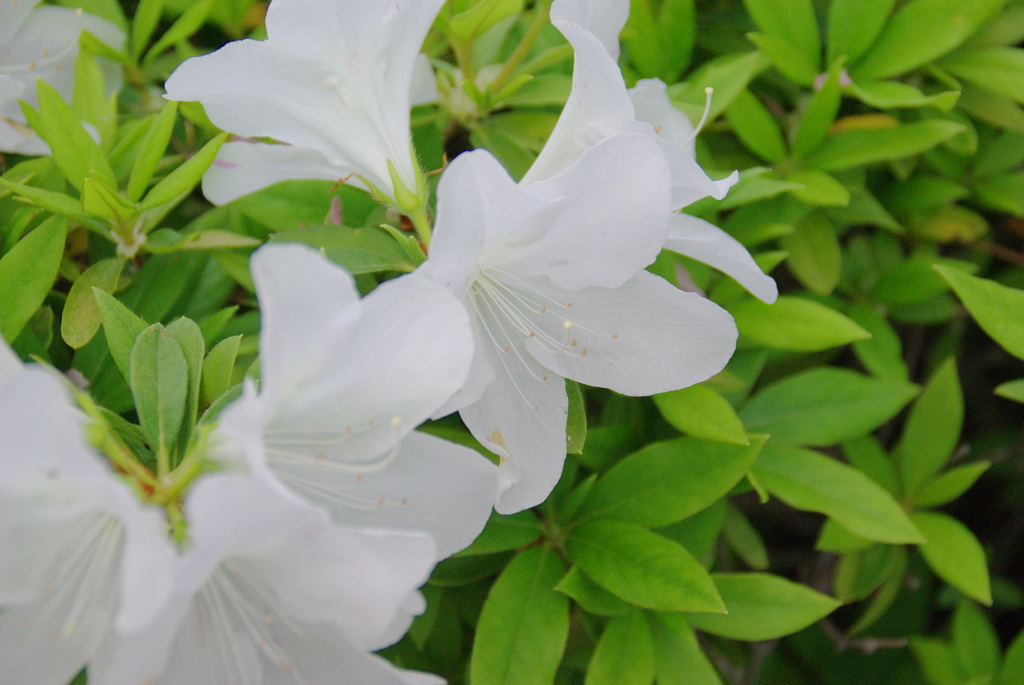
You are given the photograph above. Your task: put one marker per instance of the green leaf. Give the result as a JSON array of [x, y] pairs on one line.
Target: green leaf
[[791, 20], [678, 656], [820, 114], [576, 424], [868, 456], [188, 336], [903, 46], [795, 323], [122, 327], [481, 16], [756, 128], [104, 202], [158, 135], [1012, 671], [932, 430], [159, 379], [166, 240], [787, 58], [190, 21], [810, 481], [74, 151], [27, 273], [819, 188], [89, 100], [886, 594], [524, 623], [997, 309], [937, 660], [667, 481], [147, 15], [590, 596], [861, 147], [974, 641], [762, 607], [744, 539], [504, 533], [947, 486], [641, 567], [625, 653], [659, 37], [860, 573], [1011, 390], [218, 370], [81, 318], [702, 413], [853, 25], [814, 257], [895, 95], [882, 354], [52, 201], [183, 179], [824, 406], [1000, 70], [756, 183], [954, 554], [729, 75]]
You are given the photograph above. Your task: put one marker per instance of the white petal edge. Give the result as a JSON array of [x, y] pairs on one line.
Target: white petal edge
[[242, 168]]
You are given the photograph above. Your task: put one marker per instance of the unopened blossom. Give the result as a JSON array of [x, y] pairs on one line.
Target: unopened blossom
[[81, 557], [599, 106], [269, 591], [344, 381], [553, 276], [42, 43], [335, 80]]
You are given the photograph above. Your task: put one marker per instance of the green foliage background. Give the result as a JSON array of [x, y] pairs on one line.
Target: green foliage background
[[849, 489]]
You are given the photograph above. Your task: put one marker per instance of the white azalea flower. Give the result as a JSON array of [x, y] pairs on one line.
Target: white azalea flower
[[271, 592], [80, 554], [333, 79], [42, 42], [600, 106], [553, 276], [344, 383]]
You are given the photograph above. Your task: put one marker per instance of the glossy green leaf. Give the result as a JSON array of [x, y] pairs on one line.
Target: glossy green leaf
[[81, 318], [50, 200], [153, 147], [590, 596], [184, 178], [481, 16], [218, 370], [820, 113], [824, 406], [74, 151], [932, 429], [937, 660], [762, 607], [814, 256], [144, 21], [882, 354], [1012, 671], [974, 641], [641, 567], [790, 20], [121, 326], [505, 532], [795, 323], [524, 623], [954, 554], [897, 95], [999, 310], [819, 188], [853, 25], [754, 125], [159, 379], [27, 273], [744, 539], [947, 486], [678, 656], [667, 481], [702, 413], [1000, 70], [848, 149], [902, 45], [1011, 390], [188, 336], [868, 456], [190, 21], [624, 654], [576, 424], [810, 481]]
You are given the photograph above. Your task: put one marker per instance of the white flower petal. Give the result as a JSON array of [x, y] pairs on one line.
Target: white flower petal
[[9, 362], [478, 206], [521, 417], [12, 15], [243, 168], [652, 104], [641, 338], [603, 18], [598, 95], [706, 243], [612, 218], [332, 78], [424, 83], [430, 484], [305, 321]]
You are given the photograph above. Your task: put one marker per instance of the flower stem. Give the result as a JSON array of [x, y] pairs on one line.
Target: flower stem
[[421, 222], [540, 20]]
